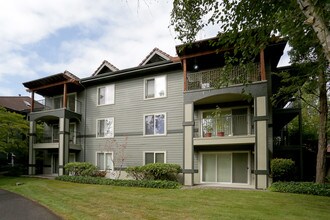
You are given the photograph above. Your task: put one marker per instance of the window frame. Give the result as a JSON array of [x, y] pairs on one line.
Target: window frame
[[154, 134], [113, 127], [104, 159], [145, 88], [154, 152], [98, 93]]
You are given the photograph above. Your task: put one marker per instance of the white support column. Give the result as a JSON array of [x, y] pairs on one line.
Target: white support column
[[63, 151], [32, 158], [188, 153], [261, 150]]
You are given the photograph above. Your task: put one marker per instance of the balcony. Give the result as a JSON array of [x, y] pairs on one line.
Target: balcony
[[49, 104], [227, 129], [48, 140], [221, 77]]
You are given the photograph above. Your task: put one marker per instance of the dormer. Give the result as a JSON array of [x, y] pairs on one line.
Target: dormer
[[105, 67], [156, 55]]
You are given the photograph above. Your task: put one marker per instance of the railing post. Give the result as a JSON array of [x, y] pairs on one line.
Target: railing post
[[262, 65], [185, 75]]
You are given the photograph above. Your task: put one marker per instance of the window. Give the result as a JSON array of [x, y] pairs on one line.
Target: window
[[154, 157], [71, 102], [104, 160], [104, 128], [155, 87], [154, 124], [106, 95]]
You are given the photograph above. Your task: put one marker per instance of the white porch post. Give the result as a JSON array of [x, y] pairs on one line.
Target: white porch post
[[261, 149], [32, 159], [63, 151], [188, 166]]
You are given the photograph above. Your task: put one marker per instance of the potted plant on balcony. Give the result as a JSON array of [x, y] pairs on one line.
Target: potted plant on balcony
[[208, 126], [217, 116]]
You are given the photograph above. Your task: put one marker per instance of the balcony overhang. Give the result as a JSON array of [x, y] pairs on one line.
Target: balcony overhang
[[228, 140], [54, 113], [48, 146]]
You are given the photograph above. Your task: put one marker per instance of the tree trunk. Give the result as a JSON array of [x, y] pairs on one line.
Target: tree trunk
[[322, 142], [318, 25]]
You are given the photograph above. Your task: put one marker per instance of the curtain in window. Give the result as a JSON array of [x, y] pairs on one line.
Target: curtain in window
[[100, 161], [159, 124], [101, 98], [149, 124], [150, 88], [160, 86]]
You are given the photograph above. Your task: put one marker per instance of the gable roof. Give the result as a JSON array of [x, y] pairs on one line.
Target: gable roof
[[20, 104], [53, 85], [156, 55], [105, 67]]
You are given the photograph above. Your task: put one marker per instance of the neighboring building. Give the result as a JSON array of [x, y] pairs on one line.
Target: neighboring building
[[18, 104], [169, 112]]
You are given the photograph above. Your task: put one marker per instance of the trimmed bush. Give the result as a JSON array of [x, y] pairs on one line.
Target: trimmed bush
[[132, 183], [136, 172], [16, 170], [80, 169], [155, 171], [282, 169], [301, 188]]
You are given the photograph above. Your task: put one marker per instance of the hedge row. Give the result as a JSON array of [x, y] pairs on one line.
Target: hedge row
[[155, 171], [301, 188], [133, 183]]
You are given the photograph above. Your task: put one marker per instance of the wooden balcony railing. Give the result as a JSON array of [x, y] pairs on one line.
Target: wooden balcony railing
[[220, 77]]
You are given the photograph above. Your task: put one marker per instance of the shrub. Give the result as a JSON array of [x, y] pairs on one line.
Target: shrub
[[133, 183], [162, 171], [155, 171], [136, 172], [99, 173], [80, 169], [282, 169], [301, 188], [16, 170]]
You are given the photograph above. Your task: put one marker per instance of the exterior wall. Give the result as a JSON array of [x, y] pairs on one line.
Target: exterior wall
[[128, 112]]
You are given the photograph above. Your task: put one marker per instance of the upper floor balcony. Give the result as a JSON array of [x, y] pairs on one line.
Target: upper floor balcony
[[232, 126], [54, 103], [222, 77]]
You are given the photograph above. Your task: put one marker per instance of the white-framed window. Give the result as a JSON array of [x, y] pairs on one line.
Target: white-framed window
[[155, 87], [154, 157], [105, 128], [106, 95], [104, 160], [155, 124]]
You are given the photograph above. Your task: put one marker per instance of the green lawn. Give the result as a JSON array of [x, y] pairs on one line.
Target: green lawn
[[81, 201]]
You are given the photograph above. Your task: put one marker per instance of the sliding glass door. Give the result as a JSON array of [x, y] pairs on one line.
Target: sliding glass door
[[225, 167]]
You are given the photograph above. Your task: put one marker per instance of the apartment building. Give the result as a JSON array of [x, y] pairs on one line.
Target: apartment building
[[167, 110]]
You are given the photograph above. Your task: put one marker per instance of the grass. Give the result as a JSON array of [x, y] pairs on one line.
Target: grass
[[82, 201]]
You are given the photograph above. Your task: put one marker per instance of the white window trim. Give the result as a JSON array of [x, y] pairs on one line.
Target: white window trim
[[113, 122], [144, 88], [226, 152], [104, 153], [165, 125], [114, 95], [154, 152]]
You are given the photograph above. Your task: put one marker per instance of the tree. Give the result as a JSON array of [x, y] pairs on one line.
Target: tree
[[13, 133], [249, 24]]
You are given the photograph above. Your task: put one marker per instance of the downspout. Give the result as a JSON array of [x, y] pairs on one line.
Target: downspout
[[85, 116]]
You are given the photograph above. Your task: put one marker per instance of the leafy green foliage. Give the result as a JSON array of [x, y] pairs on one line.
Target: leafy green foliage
[[282, 169], [155, 171], [301, 188], [80, 169], [13, 132], [132, 183]]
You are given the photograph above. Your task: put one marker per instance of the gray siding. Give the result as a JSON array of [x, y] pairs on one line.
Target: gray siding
[[128, 112]]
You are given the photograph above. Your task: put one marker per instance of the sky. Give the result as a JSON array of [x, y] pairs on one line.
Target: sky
[[39, 38]]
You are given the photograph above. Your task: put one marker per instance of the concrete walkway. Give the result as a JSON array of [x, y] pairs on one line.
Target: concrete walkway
[[14, 206]]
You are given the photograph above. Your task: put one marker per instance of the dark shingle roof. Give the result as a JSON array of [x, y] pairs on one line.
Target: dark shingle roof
[[21, 104]]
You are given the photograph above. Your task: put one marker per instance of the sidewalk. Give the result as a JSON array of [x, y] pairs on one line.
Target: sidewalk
[[16, 207]]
